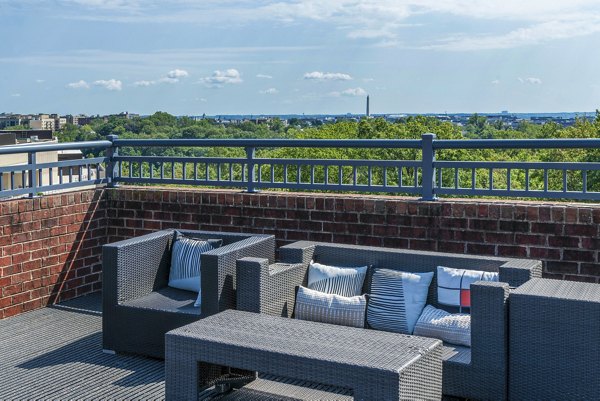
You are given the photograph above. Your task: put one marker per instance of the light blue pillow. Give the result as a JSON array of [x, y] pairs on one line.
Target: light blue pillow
[[185, 264], [397, 299]]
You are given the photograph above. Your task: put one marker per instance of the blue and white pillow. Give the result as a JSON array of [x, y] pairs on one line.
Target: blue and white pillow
[[317, 306], [454, 285], [397, 299], [185, 264], [344, 281], [448, 327]]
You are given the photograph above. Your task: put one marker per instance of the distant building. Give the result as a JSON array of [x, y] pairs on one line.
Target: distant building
[[13, 120], [42, 121]]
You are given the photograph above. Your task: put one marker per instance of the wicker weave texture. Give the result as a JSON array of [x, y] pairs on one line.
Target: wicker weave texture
[[481, 375], [138, 306], [555, 341], [375, 365]]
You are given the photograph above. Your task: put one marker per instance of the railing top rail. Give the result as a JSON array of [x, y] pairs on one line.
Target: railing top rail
[[276, 143], [45, 147], [574, 143]]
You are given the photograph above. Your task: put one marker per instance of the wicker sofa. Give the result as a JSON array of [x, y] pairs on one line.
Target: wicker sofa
[[139, 307], [479, 372]]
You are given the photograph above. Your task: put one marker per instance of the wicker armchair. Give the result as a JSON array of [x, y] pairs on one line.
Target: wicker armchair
[[479, 372], [139, 307]]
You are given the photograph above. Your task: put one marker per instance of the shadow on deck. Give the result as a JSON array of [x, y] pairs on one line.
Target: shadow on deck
[[56, 353]]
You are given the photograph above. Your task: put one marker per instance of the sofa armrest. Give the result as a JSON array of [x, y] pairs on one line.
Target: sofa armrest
[[135, 267], [269, 289], [297, 252], [218, 271], [518, 271], [489, 326]]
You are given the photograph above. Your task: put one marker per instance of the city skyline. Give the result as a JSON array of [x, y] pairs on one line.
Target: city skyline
[[270, 57]]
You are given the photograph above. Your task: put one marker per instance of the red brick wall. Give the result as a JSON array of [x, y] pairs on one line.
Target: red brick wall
[[564, 236], [50, 249]]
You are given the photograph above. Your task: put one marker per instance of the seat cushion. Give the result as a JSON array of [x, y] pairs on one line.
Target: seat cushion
[[456, 354], [167, 299], [454, 328]]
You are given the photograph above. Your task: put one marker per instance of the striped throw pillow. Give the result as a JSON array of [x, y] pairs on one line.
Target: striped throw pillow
[[330, 308], [344, 281], [397, 299], [185, 264], [453, 328]]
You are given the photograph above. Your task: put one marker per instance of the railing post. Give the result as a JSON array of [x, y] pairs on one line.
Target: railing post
[[33, 181], [427, 169], [111, 170], [250, 153]]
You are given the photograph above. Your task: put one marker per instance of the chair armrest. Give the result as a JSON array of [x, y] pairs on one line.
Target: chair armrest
[[218, 271], [516, 272], [489, 325], [135, 267], [269, 289], [297, 252]]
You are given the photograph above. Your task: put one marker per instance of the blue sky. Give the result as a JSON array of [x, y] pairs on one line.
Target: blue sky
[[301, 56]]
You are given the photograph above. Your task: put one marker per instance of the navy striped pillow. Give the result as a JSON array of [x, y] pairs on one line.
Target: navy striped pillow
[[344, 281], [397, 299], [185, 263]]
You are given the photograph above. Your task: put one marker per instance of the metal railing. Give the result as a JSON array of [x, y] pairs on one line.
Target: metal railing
[[427, 177], [33, 177]]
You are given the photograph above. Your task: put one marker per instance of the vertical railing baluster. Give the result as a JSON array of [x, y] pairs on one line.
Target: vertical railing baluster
[[272, 173], [354, 175], [527, 180], [140, 165], [206, 171], [60, 175], [12, 180], [230, 172], [250, 154], [584, 173], [473, 179], [259, 167], [172, 170], [162, 170], [370, 177], [440, 178], [33, 176], [195, 171], [456, 178], [70, 174], [285, 173], [400, 178], [312, 174], [298, 174], [508, 179], [89, 171], [340, 175], [564, 179], [326, 175], [184, 171], [546, 180], [130, 165], [491, 178], [427, 167], [50, 177], [111, 168]]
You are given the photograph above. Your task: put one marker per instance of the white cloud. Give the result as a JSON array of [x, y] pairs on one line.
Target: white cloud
[[81, 84], [172, 77], [264, 76], [270, 91], [110, 84], [351, 92], [143, 83], [327, 76], [220, 78], [15, 95], [495, 82], [40, 81], [530, 80], [177, 73]]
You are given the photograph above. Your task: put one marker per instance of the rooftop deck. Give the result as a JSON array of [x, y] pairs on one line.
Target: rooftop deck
[[56, 353]]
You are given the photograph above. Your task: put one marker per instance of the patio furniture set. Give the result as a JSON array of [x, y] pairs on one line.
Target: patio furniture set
[[268, 330]]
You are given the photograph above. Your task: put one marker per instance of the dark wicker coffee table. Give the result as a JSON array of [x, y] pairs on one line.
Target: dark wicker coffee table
[[375, 365]]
